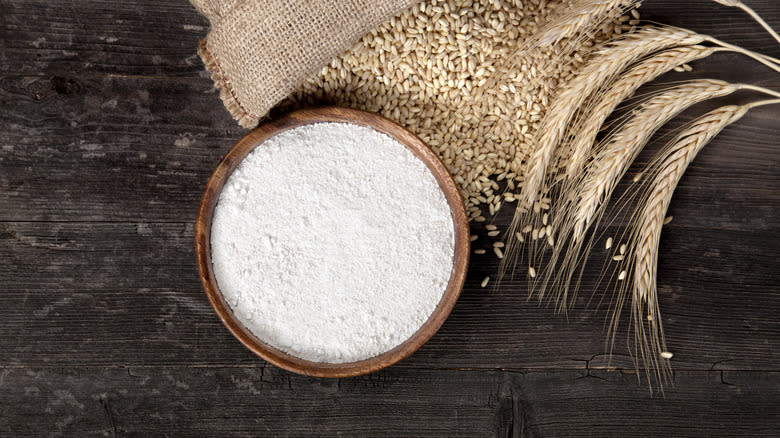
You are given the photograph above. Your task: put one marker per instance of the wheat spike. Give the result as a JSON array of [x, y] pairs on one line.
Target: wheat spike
[[583, 134], [602, 68], [582, 16], [646, 233], [584, 204], [605, 64], [613, 159]]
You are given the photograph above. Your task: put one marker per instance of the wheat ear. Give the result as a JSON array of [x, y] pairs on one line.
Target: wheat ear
[[606, 62], [752, 13], [611, 162], [583, 134], [604, 65], [582, 206], [581, 17], [645, 234]]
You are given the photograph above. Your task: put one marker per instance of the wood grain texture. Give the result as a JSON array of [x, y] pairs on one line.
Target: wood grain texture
[[110, 130], [236, 401]]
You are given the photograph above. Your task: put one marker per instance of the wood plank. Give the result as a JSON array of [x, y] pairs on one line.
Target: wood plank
[[230, 401], [139, 38], [126, 149], [121, 293], [115, 149]]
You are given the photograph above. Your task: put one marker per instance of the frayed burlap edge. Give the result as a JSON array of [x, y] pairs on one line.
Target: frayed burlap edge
[[245, 118]]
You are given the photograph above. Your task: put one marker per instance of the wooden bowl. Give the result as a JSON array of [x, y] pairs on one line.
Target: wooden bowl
[[330, 114]]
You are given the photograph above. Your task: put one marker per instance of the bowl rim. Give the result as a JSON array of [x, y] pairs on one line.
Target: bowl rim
[[292, 120]]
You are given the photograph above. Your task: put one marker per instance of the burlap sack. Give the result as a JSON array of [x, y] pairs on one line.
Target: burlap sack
[[260, 51]]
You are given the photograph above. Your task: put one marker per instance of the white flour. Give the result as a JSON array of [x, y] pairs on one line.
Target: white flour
[[332, 242]]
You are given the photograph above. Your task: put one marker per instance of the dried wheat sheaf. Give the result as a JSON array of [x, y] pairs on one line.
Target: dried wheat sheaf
[[513, 95]]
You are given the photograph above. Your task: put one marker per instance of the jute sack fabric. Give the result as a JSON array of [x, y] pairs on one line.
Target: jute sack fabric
[[260, 51]]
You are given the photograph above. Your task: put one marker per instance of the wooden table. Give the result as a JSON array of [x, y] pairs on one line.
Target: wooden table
[[110, 129]]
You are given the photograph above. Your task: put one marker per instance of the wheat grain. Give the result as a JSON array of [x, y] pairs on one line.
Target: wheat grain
[[446, 71]]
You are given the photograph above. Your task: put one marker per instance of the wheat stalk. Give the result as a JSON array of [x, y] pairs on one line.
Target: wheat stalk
[[752, 13]]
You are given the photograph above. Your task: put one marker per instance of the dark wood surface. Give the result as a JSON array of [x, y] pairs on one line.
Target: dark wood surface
[[109, 130]]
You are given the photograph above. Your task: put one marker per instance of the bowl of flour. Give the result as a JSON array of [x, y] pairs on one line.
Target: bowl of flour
[[332, 242]]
